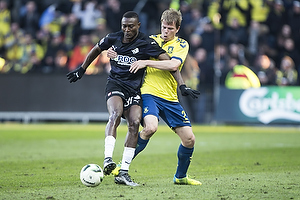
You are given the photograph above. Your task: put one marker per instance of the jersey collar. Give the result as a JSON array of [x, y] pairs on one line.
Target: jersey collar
[[163, 42]]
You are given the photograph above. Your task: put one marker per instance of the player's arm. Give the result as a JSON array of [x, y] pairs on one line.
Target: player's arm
[[95, 51], [77, 74], [163, 64]]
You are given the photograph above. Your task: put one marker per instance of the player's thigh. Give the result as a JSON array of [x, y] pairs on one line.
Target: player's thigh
[[133, 115], [115, 105]]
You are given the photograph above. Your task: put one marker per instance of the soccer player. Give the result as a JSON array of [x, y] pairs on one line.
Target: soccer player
[[159, 94], [122, 91]]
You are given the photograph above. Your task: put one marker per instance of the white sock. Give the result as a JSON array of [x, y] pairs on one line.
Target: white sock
[[127, 157], [109, 146]]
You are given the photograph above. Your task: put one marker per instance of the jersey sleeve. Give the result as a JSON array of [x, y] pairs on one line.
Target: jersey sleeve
[[182, 49], [105, 43], [153, 49]]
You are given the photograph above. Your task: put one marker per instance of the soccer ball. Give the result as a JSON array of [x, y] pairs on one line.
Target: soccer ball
[[91, 175]]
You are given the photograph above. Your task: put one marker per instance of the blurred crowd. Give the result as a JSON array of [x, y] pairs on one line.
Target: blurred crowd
[[238, 43]]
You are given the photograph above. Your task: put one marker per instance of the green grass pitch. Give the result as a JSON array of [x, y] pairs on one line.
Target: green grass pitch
[[43, 161]]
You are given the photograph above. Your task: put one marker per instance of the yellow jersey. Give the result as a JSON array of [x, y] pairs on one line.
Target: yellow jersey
[[161, 83]]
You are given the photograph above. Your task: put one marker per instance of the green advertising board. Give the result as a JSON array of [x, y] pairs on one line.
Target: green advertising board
[[266, 105]]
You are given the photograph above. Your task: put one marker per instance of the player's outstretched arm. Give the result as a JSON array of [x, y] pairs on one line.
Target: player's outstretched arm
[[169, 65], [77, 74], [95, 51]]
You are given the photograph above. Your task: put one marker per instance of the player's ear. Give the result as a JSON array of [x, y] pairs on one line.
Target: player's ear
[[139, 24], [177, 29]]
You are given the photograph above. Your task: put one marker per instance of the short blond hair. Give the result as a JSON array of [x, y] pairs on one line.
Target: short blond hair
[[172, 16]]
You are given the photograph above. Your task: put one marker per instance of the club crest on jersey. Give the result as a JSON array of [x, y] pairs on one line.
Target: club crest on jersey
[[135, 51], [146, 110], [125, 60], [170, 49]]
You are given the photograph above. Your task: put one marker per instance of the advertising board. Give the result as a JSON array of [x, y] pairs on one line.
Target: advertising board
[[266, 105]]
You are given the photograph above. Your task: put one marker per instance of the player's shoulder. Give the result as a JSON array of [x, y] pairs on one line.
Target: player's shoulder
[[115, 35], [145, 39], [109, 38], [142, 36], [155, 38], [181, 42]]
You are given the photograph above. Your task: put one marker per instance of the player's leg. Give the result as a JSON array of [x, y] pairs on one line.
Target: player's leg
[[184, 154], [176, 118], [149, 128], [115, 110], [133, 116], [150, 124], [185, 150]]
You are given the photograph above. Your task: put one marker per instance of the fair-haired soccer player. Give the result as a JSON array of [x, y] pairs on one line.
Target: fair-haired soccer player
[[159, 94]]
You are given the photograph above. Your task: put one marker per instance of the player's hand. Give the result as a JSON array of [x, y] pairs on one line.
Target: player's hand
[[140, 64], [76, 74], [185, 91], [111, 53]]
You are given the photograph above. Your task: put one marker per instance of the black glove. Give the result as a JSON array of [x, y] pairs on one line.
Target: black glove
[[185, 91], [76, 74]]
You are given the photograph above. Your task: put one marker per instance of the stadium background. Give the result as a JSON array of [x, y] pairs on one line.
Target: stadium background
[[42, 40]]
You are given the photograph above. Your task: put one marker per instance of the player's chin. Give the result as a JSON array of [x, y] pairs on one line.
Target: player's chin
[[165, 38], [128, 36]]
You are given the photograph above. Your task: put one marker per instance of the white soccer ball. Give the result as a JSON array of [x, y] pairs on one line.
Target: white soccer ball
[[91, 175]]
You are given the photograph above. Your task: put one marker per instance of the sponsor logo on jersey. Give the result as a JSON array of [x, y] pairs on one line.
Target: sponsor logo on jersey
[[125, 60], [135, 51]]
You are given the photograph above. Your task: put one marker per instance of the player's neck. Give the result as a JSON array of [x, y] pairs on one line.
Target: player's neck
[[166, 41]]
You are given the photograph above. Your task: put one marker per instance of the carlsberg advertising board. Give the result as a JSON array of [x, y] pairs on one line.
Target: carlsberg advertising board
[[266, 105]]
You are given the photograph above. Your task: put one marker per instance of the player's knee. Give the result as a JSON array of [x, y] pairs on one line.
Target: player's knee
[[133, 124], [149, 130], [189, 141], [115, 117]]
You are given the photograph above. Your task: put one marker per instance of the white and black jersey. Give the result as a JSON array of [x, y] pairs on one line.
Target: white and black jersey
[[141, 48]]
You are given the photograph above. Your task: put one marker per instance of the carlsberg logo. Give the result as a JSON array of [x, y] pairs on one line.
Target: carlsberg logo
[[268, 106]]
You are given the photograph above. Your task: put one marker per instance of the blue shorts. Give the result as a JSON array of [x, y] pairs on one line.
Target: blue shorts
[[171, 112]]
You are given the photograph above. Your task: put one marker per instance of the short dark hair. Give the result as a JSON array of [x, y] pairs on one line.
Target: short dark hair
[[131, 14]]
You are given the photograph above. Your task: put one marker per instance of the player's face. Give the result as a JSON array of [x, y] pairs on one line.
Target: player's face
[[130, 28], [168, 31]]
